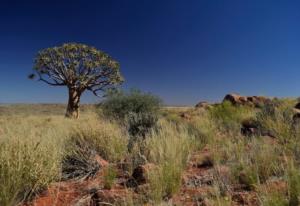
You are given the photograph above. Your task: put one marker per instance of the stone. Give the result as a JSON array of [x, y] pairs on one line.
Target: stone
[[297, 106], [250, 128], [206, 161], [141, 173], [233, 98]]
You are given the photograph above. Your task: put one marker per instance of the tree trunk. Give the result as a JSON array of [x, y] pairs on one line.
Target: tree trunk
[[73, 104]]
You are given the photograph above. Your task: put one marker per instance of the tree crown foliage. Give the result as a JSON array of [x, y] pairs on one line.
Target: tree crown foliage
[[77, 66]]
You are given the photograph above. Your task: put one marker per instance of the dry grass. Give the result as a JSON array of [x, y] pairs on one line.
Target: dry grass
[[25, 163], [169, 148], [26, 142], [32, 149]]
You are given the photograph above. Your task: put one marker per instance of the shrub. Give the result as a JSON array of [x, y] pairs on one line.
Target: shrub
[[138, 110], [120, 104], [140, 123]]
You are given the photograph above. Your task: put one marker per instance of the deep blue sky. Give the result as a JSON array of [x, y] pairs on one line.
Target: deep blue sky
[[184, 51]]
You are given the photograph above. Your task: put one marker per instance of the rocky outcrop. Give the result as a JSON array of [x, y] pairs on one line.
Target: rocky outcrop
[[256, 101]]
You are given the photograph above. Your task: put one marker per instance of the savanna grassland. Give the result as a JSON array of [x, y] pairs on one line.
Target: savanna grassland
[[121, 155]]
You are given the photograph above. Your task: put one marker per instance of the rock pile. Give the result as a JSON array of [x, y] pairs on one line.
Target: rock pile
[[256, 101]]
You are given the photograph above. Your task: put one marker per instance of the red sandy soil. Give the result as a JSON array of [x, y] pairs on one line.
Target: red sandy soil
[[84, 192], [197, 188]]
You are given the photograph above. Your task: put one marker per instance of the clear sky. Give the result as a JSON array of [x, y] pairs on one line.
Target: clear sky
[[184, 51]]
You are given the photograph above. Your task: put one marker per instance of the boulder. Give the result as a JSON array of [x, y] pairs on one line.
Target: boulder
[[243, 99], [206, 161], [233, 98], [258, 101], [250, 128], [142, 172], [297, 106], [296, 118]]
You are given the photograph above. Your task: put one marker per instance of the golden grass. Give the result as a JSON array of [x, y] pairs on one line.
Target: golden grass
[[30, 155], [169, 148], [27, 141], [32, 149]]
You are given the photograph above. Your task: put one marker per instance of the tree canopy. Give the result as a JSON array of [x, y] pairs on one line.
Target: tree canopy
[[77, 66]]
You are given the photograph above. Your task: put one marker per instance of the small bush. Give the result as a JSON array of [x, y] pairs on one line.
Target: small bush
[[140, 123], [120, 104], [138, 110]]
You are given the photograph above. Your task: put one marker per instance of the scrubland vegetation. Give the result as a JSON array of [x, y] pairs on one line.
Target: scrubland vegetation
[[131, 130]]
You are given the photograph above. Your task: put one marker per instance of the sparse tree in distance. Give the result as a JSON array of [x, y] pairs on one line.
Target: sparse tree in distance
[[78, 67]]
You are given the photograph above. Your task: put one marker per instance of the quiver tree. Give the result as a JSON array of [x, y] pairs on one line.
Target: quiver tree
[[78, 67]]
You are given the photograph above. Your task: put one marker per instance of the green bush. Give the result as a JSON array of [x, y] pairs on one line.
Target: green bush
[[137, 109], [120, 104]]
